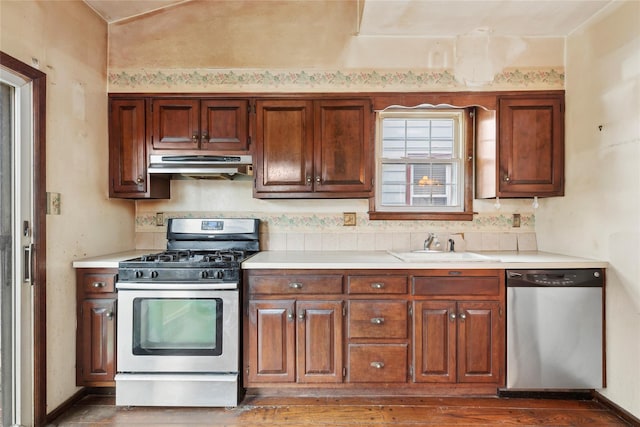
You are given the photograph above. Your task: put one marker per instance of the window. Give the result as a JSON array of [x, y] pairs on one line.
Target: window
[[423, 164]]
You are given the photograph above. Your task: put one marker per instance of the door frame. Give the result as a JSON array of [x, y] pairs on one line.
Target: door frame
[[39, 228]]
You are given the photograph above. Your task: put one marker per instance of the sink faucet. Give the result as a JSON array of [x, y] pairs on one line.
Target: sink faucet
[[431, 242]]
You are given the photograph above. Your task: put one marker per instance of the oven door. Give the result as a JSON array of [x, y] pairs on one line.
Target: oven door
[[178, 331]]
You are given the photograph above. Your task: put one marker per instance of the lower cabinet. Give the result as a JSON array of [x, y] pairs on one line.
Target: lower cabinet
[[96, 327], [409, 332], [294, 341], [457, 341]]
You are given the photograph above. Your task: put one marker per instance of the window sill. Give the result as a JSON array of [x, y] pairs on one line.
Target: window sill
[[432, 216]]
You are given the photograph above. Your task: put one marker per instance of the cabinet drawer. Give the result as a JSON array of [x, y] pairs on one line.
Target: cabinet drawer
[[296, 284], [377, 284], [98, 282], [456, 285], [377, 319], [378, 363]]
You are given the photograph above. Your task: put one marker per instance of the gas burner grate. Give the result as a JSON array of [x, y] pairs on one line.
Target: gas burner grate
[[194, 257]]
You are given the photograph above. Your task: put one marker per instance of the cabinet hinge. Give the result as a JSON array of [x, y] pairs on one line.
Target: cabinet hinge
[[344, 310], [500, 311], [344, 372], [410, 371], [249, 141], [410, 311]]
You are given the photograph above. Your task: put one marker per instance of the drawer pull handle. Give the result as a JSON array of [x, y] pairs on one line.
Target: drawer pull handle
[[377, 320], [98, 284], [377, 285], [377, 365], [295, 285]]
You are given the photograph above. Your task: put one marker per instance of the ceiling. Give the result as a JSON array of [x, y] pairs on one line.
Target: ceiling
[[425, 18]]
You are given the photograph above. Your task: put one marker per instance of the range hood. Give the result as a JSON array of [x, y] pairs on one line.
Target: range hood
[[197, 165]]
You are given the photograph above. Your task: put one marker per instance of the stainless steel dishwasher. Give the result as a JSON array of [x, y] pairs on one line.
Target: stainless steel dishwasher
[[554, 329]]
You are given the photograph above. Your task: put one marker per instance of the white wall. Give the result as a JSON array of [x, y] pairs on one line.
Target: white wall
[[69, 42], [600, 215]]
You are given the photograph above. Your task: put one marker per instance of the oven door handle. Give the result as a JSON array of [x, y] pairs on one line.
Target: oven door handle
[[176, 286]]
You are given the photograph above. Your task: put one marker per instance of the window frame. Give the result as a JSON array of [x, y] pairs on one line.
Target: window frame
[[466, 161]]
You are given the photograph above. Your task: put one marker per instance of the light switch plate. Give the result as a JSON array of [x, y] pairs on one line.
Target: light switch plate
[[349, 218]]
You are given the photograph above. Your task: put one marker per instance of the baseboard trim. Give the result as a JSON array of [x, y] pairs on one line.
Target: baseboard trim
[[623, 414]]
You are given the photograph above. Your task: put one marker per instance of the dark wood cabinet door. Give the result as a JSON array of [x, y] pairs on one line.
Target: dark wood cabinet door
[[434, 358], [319, 341], [284, 146], [127, 147], [343, 146], [224, 125], [531, 146], [97, 364], [271, 341], [480, 341], [175, 124]]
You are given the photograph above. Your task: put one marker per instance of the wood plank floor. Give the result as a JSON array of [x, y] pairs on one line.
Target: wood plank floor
[[99, 411]]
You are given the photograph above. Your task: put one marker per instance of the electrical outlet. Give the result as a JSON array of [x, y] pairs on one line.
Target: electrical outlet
[[159, 219], [349, 218], [516, 220]]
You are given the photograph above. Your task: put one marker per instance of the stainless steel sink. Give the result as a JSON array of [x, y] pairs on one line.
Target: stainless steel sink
[[439, 256]]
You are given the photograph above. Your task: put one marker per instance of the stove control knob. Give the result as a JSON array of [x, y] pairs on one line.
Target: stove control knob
[[154, 274], [204, 274], [219, 274], [139, 274]]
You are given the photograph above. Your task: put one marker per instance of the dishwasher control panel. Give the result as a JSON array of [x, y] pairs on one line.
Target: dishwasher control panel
[[589, 277]]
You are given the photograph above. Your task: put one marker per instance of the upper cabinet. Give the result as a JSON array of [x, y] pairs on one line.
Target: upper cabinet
[[128, 177], [309, 148], [520, 148], [192, 124]]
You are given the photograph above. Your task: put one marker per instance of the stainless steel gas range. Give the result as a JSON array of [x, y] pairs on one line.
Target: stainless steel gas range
[[178, 328]]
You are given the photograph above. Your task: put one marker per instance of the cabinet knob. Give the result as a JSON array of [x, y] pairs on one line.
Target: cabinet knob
[[290, 315], [109, 315], [301, 315], [140, 179], [507, 178], [295, 285], [318, 178], [205, 138], [194, 137], [98, 284], [377, 365], [377, 285], [377, 320], [463, 316], [452, 317]]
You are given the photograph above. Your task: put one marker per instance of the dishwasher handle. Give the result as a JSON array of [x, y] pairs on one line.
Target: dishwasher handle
[[561, 278]]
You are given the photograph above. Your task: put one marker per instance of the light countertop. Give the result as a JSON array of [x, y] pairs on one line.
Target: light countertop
[[111, 260], [368, 260], [385, 260]]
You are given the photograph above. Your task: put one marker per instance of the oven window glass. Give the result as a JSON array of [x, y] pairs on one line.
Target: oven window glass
[[177, 326]]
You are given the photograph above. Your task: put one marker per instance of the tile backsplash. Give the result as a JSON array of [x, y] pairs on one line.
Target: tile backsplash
[[326, 231]]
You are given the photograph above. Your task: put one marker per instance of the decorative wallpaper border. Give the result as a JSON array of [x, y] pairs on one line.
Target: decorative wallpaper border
[[333, 222], [213, 80]]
